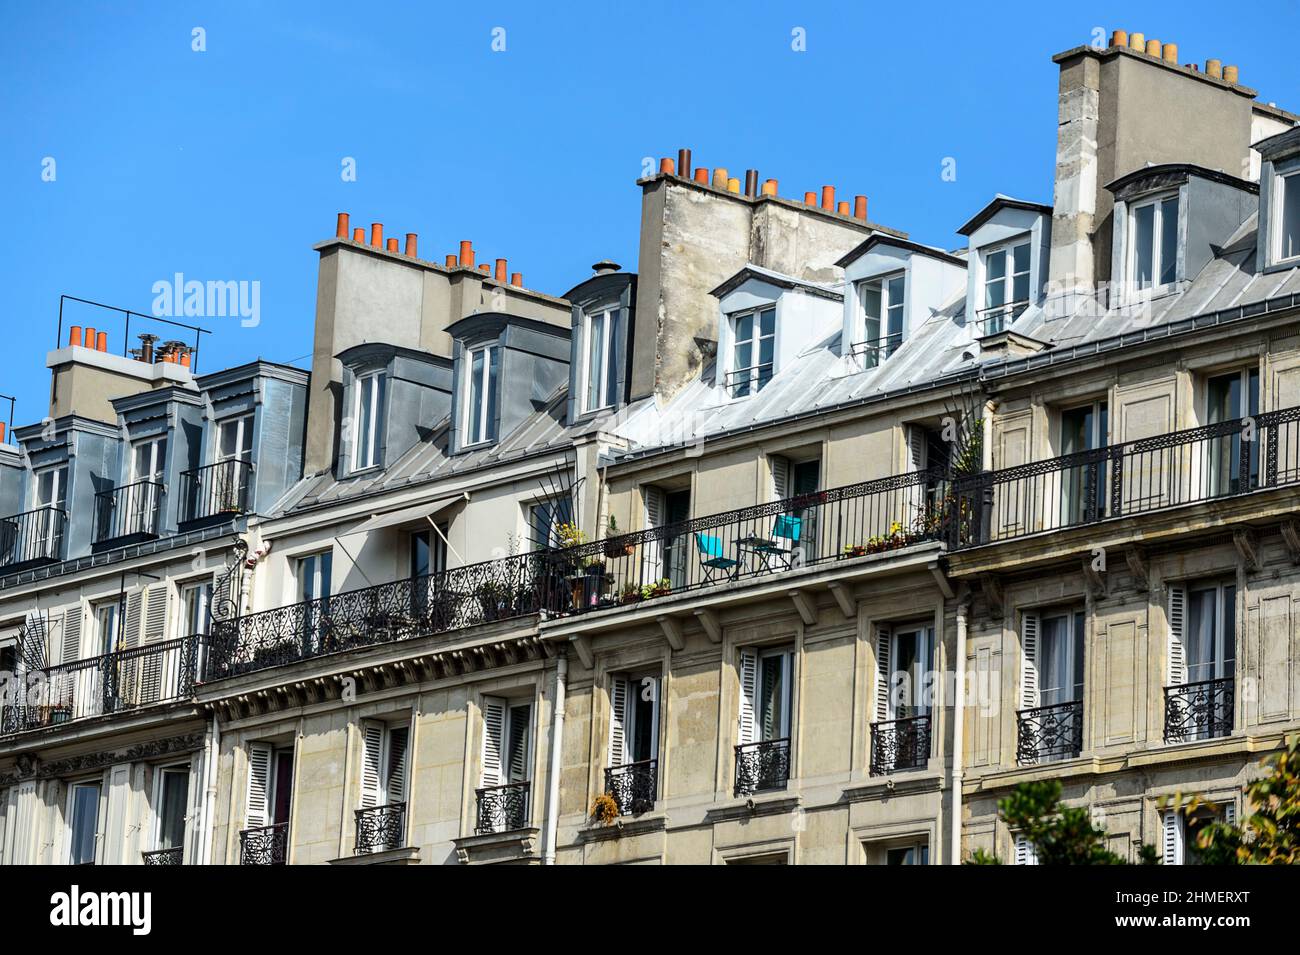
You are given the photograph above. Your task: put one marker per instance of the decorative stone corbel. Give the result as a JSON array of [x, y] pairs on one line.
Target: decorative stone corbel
[[712, 626], [807, 609], [1137, 566], [844, 597], [1243, 538], [1291, 537], [672, 629], [582, 644], [1096, 578]]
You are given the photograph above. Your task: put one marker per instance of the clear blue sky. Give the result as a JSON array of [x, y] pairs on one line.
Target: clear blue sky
[[225, 164]]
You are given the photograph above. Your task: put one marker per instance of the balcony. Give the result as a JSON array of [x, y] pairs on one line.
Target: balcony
[[900, 744], [381, 828], [264, 845], [762, 767], [129, 513], [215, 492], [633, 786], [33, 537], [1197, 711], [175, 856], [1123, 480], [98, 686], [998, 318], [501, 808], [1047, 733]]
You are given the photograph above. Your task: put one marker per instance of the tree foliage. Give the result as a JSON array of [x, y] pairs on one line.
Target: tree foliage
[[1271, 834]]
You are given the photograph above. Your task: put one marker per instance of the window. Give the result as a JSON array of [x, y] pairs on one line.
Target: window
[[383, 763], [1181, 830], [229, 491], [634, 720], [1231, 397], [1208, 641], [1006, 287], [147, 459], [83, 823], [270, 785], [600, 369], [881, 301], [365, 420], [429, 551], [795, 534], [666, 557], [503, 799], [904, 658], [107, 616], [1201, 660], [196, 603], [545, 519], [1050, 717], [51, 487], [314, 572], [235, 439], [1153, 243], [481, 406], [172, 799], [766, 710], [918, 854], [1026, 853], [753, 347], [46, 529], [139, 504], [1287, 215]]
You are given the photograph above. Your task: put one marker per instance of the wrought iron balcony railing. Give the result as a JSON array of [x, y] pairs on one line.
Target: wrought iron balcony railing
[[633, 786], [900, 744], [33, 537], [998, 318], [762, 766], [380, 828], [264, 845], [872, 353], [112, 683], [502, 808], [173, 856], [1203, 710], [129, 511], [215, 490], [1045, 733], [1122, 480]]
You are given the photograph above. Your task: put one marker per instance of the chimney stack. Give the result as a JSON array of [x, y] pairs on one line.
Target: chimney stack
[[377, 235], [342, 230], [501, 271], [410, 244], [466, 253]]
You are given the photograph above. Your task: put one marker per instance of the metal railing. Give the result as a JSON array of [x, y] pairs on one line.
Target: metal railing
[[1136, 477], [97, 686], [380, 828], [501, 808], [900, 744], [33, 537], [215, 490], [173, 856], [763, 766], [998, 318], [264, 845], [873, 351], [633, 786], [748, 380], [1202, 710], [1045, 733], [131, 510]]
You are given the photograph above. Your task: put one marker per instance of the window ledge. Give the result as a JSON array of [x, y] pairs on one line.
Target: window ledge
[[517, 845], [408, 855], [772, 803], [624, 826]]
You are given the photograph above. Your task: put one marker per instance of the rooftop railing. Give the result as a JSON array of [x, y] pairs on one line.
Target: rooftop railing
[[218, 490], [129, 511], [33, 537]]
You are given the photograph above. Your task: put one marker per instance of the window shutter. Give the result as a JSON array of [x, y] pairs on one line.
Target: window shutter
[[70, 652], [494, 719], [618, 691], [259, 785], [222, 593], [748, 693], [1026, 853], [652, 550], [398, 738], [883, 672], [1172, 826], [1230, 813], [372, 748], [1177, 620], [519, 739], [1029, 627], [916, 447], [134, 619], [780, 477], [155, 617]]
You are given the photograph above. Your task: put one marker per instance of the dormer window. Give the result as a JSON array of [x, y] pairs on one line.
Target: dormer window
[[600, 374], [1006, 287], [882, 317], [365, 417], [1153, 243], [1286, 236], [753, 336], [481, 393]]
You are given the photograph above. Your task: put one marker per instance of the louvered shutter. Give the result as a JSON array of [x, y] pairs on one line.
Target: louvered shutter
[[748, 694], [71, 649], [1172, 837], [372, 748], [398, 739], [134, 620], [652, 550], [618, 706], [259, 785], [155, 631], [1230, 813], [520, 736], [780, 477], [222, 593], [1029, 644], [494, 720], [916, 447], [1177, 671], [1026, 854], [883, 672]]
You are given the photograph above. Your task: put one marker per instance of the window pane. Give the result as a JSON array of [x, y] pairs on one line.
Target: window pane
[[494, 361], [1020, 259], [870, 296], [595, 353], [171, 829], [772, 690], [365, 423], [1198, 643], [85, 820], [611, 358], [1290, 225], [476, 397], [743, 354], [767, 321], [997, 264], [1144, 225], [1168, 241], [744, 328]]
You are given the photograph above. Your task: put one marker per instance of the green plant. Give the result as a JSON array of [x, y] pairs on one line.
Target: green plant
[[1060, 835], [1271, 834]]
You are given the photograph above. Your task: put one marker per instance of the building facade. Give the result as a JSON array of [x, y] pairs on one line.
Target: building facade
[[803, 543]]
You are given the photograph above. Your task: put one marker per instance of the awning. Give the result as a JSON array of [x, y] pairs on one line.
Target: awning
[[408, 514]]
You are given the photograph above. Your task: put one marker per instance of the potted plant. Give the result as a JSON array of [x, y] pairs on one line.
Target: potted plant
[[630, 594], [613, 548], [604, 809], [660, 588], [493, 599]]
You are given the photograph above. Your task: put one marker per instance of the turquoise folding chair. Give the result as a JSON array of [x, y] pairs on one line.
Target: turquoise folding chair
[[785, 538], [712, 557]]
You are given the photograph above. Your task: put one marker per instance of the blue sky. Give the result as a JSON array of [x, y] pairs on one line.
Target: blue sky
[[225, 164]]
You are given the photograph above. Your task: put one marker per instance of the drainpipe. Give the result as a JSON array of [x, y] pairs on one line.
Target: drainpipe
[[958, 732], [553, 776], [211, 753]]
